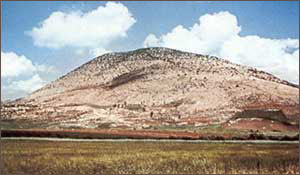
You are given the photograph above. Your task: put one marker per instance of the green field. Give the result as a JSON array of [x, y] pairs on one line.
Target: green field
[[66, 157]]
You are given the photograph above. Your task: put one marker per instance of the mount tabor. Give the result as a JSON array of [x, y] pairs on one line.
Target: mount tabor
[[160, 88]]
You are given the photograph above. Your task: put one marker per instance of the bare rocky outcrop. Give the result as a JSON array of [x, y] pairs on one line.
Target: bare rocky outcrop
[[154, 88]]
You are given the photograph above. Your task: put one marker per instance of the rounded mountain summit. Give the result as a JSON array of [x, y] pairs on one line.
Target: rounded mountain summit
[[161, 88]]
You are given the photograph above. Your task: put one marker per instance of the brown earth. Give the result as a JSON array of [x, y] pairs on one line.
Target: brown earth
[[261, 125]]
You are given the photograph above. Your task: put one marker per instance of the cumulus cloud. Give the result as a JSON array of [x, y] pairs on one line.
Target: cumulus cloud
[[267, 54], [20, 88], [218, 34], [93, 29], [19, 76], [28, 85], [13, 65], [152, 41]]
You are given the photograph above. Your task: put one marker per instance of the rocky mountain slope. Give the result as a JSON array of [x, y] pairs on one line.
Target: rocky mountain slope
[[159, 88]]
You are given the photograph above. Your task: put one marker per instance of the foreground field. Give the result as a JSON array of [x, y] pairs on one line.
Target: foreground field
[[48, 157]]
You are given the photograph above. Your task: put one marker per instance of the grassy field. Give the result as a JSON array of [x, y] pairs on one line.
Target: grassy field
[[50, 157]]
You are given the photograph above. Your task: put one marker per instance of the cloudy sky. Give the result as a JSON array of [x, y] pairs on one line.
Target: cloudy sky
[[44, 40]]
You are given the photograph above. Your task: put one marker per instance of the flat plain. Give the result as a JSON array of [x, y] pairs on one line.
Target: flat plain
[[66, 157]]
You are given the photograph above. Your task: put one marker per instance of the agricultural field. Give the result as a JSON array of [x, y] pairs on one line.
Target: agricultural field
[[67, 157]]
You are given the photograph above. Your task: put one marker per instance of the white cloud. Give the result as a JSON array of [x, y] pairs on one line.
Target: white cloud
[[93, 29], [20, 88], [218, 34], [266, 54], [27, 86], [151, 41], [19, 76], [13, 65]]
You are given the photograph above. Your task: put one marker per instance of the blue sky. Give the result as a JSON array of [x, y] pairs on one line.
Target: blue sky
[[232, 30]]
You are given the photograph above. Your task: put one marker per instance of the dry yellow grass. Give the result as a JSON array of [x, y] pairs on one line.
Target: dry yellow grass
[[48, 157]]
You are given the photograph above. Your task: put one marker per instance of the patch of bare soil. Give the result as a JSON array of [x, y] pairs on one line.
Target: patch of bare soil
[[261, 125]]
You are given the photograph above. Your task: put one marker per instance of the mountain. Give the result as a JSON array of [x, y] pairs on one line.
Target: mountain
[[160, 88]]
